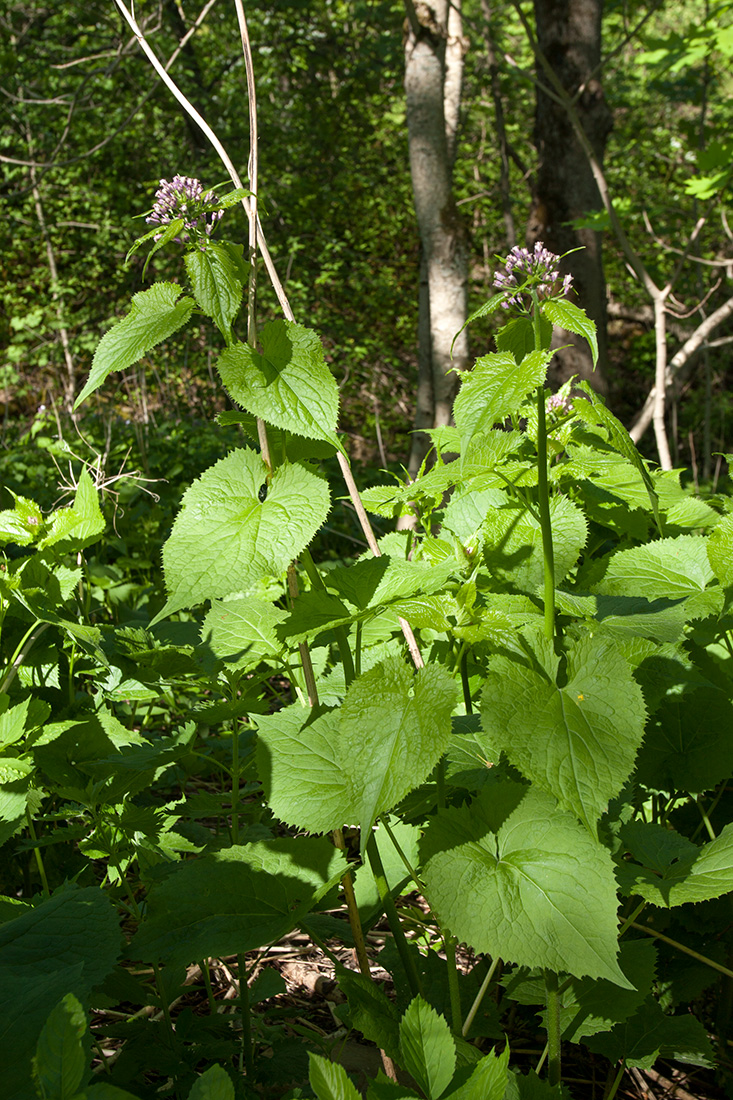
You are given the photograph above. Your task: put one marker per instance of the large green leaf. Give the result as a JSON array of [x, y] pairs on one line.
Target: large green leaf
[[688, 874], [428, 1049], [376, 582], [82, 926], [494, 389], [320, 774], [217, 273], [225, 538], [301, 770], [59, 1062], [235, 900], [538, 891], [577, 741], [155, 315], [395, 726], [665, 569], [289, 384], [513, 542]]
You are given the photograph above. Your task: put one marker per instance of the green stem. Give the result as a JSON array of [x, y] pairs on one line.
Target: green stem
[[246, 1012], [544, 516], [617, 1080], [712, 807], [554, 1056], [681, 947], [39, 857], [454, 992], [629, 921], [464, 682], [340, 632], [28, 640], [204, 964], [352, 909], [164, 1005], [408, 961], [705, 818], [235, 787], [408, 866], [543, 488], [479, 998], [440, 780]]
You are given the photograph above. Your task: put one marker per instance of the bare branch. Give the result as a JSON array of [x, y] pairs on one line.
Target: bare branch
[[676, 368]]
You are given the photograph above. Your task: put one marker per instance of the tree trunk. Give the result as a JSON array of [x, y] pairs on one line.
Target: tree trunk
[[433, 74], [569, 35]]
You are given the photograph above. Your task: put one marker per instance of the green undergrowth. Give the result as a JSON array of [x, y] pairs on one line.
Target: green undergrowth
[[517, 711]]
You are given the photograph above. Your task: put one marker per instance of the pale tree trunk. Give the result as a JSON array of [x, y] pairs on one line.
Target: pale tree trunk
[[569, 36], [434, 51]]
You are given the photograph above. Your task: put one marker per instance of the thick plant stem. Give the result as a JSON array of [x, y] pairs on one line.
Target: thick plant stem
[[340, 632], [353, 911], [453, 991], [554, 1057], [616, 1081], [305, 657], [548, 552], [408, 962], [544, 513]]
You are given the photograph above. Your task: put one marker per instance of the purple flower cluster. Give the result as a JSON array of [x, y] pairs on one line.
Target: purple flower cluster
[[184, 198], [559, 404], [538, 270]]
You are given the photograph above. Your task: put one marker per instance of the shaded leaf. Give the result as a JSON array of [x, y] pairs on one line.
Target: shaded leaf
[[60, 1062], [235, 900]]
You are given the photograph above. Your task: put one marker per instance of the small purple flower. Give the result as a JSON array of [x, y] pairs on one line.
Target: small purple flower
[[559, 404], [538, 270], [184, 198]]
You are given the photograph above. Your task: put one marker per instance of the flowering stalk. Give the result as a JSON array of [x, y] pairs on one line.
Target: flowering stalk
[[543, 490], [528, 280]]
